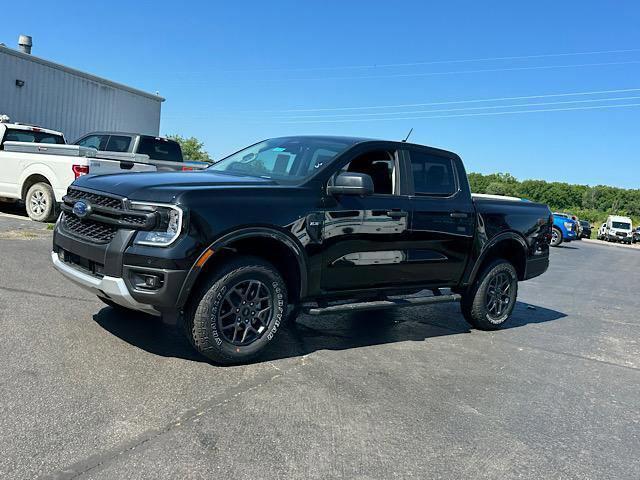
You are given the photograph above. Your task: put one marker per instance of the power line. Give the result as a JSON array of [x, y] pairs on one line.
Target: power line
[[517, 105], [455, 72], [452, 102], [487, 114], [433, 62]]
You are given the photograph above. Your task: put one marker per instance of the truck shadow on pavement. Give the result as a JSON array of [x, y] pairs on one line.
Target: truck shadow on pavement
[[309, 334]]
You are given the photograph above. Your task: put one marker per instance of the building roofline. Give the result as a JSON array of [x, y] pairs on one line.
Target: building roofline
[[79, 73]]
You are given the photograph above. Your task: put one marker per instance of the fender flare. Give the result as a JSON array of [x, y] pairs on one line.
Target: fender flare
[[489, 245], [227, 239]]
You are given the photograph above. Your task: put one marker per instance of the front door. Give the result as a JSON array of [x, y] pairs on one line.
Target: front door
[[365, 239]]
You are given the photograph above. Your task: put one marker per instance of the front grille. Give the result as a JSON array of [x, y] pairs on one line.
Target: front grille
[[621, 234], [96, 199], [135, 219], [88, 229]]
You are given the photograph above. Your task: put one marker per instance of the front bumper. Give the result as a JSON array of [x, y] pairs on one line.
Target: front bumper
[[112, 270], [112, 288]]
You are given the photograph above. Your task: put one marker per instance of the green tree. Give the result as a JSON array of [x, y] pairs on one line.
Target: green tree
[[589, 203], [192, 148]]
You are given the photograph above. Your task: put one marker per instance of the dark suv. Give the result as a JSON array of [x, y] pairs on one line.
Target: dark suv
[[586, 229], [323, 224]]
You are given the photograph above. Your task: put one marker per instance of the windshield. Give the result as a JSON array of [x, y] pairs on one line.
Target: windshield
[[288, 160], [621, 225]]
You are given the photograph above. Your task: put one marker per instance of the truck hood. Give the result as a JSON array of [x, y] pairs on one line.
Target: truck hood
[[164, 187]]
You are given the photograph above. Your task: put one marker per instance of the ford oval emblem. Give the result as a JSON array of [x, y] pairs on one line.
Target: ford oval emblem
[[81, 209]]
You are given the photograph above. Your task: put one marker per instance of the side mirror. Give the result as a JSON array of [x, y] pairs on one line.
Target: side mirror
[[351, 183]]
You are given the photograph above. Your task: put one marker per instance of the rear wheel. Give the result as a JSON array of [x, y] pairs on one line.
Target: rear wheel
[[238, 312], [40, 202], [556, 237], [488, 304]]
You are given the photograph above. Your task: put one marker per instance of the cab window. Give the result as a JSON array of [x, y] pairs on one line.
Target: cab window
[[432, 175], [380, 165], [118, 143], [99, 142], [17, 135]]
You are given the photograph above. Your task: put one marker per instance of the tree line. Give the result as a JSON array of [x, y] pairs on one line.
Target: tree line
[[588, 203]]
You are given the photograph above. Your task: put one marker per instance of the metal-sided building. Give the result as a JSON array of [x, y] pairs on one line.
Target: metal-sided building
[[44, 93]]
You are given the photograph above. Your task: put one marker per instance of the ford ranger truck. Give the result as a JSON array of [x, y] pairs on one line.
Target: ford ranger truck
[[324, 225]]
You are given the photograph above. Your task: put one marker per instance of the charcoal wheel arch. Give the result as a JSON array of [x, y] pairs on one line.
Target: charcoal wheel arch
[[245, 233], [487, 253]]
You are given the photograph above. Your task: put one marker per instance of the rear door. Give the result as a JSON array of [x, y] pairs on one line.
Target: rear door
[[442, 217]]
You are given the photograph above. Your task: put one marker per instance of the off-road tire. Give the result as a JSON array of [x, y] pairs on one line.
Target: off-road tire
[[474, 300], [40, 202], [203, 317], [556, 240]]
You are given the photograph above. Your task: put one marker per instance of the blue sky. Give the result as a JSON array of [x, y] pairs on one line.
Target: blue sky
[[237, 72]]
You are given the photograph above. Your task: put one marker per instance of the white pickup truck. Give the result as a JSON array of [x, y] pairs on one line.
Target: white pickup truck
[[36, 166]]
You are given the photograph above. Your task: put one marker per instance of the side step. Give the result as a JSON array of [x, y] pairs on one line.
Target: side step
[[382, 304]]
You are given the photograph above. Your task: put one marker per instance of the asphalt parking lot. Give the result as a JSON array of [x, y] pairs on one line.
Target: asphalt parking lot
[[87, 393]]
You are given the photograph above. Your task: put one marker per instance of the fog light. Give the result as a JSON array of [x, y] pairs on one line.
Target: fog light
[[61, 254], [147, 281]]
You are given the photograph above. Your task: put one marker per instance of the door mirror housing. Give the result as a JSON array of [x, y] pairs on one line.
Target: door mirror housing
[[351, 183]]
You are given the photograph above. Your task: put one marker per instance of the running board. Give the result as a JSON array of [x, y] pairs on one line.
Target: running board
[[382, 304]]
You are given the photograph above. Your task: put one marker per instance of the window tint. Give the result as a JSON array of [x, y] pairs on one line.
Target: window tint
[[432, 175], [99, 142], [118, 143], [160, 149], [16, 135]]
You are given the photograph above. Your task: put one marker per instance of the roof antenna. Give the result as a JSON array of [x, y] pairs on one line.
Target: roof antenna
[[408, 135]]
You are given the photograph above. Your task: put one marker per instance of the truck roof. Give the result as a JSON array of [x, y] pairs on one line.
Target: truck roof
[[30, 128], [126, 134]]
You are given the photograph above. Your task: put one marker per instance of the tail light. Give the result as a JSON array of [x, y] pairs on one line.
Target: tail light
[[79, 170], [187, 169]]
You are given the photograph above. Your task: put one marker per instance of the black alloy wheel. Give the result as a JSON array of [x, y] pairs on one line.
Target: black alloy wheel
[[498, 296], [245, 312]]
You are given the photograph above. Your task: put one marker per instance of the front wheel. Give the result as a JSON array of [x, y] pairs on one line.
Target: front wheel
[[556, 237], [41, 202], [238, 312], [488, 304]]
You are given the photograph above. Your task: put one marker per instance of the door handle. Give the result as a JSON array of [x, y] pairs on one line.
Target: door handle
[[397, 213], [458, 215]]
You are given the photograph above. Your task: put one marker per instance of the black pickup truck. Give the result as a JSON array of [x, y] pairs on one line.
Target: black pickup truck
[[320, 224]]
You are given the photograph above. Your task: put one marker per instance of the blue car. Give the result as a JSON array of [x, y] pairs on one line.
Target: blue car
[[564, 229]]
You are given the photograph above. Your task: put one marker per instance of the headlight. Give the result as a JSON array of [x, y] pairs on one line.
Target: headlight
[[169, 226], [568, 225]]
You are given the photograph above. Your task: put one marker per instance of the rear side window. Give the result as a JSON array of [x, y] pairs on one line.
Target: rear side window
[[432, 175], [118, 143], [99, 142], [160, 149], [15, 135]]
